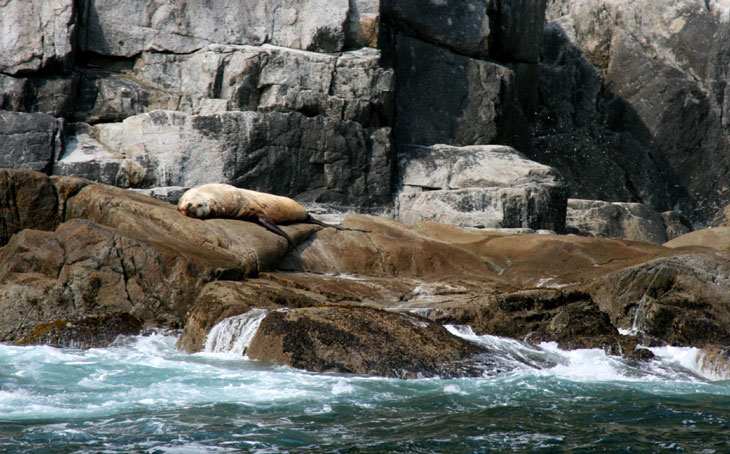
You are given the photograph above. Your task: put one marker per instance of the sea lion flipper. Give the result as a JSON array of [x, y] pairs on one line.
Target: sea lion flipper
[[269, 224], [312, 220]]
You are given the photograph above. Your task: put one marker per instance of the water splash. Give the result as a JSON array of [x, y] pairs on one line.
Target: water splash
[[234, 334]]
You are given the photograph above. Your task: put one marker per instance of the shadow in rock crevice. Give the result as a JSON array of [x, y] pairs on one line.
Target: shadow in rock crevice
[[669, 154]]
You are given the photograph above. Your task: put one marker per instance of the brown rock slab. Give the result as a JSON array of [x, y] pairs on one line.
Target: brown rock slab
[[361, 340], [681, 299], [27, 200]]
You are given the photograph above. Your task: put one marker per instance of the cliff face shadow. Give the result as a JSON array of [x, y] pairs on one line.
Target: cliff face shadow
[[587, 127]]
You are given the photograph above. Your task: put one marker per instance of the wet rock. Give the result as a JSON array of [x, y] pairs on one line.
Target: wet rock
[[30, 141], [569, 318], [479, 186], [37, 35], [680, 299], [222, 299], [630, 221], [362, 341], [714, 360], [92, 332]]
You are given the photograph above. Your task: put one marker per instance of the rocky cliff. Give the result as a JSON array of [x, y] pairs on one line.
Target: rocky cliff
[[477, 113]]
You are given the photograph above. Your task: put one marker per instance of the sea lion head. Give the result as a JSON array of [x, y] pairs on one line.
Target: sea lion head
[[195, 204]]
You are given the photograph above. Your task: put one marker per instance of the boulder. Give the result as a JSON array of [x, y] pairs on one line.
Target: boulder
[[479, 186], [31, 141], [54, 95], [461, 26], [630, 221], [317, 159], [91, 332], [679, 299], [362, 341], [569, 318], [106, 251], [84, 270], [127, 28], [37, 35], [433, 252]]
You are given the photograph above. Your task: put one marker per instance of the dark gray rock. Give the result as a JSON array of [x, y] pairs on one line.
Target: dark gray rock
[[29, 141], [634, 101], [458, 25], [442, 97]]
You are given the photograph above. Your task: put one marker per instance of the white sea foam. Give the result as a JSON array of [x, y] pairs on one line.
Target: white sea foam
[[234, 334]]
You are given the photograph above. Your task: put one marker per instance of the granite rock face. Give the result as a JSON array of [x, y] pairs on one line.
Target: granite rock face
[[479, 186], [320, 159], [127, 28], [633, 95], [37, 35]]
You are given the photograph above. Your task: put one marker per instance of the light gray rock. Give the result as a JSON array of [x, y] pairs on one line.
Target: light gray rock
[[29, 141], [479, 186], [349, 86], [128, 27], [316, 159], [629, 221], [37, 35]]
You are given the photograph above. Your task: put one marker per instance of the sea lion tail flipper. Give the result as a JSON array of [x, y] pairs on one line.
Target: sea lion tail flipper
[[312, 220], [269, 225]]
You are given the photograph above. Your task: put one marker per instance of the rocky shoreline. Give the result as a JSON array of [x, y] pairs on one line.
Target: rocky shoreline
[[537, 169], [84, 262]]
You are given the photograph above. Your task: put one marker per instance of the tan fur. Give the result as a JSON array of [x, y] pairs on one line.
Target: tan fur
[[226, 201]]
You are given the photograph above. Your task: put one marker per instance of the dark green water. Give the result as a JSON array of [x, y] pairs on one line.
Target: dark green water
[[143, 396]]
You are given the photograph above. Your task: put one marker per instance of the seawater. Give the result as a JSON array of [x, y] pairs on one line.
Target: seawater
[[141, 395]]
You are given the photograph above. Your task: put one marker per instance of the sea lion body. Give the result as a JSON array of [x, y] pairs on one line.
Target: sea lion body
[[226, 201]]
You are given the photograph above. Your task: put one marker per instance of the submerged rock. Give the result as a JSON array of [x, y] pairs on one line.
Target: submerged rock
[[363, 341], [91, 332]]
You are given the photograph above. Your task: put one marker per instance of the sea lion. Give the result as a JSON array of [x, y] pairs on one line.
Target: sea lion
[[226, 201]]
